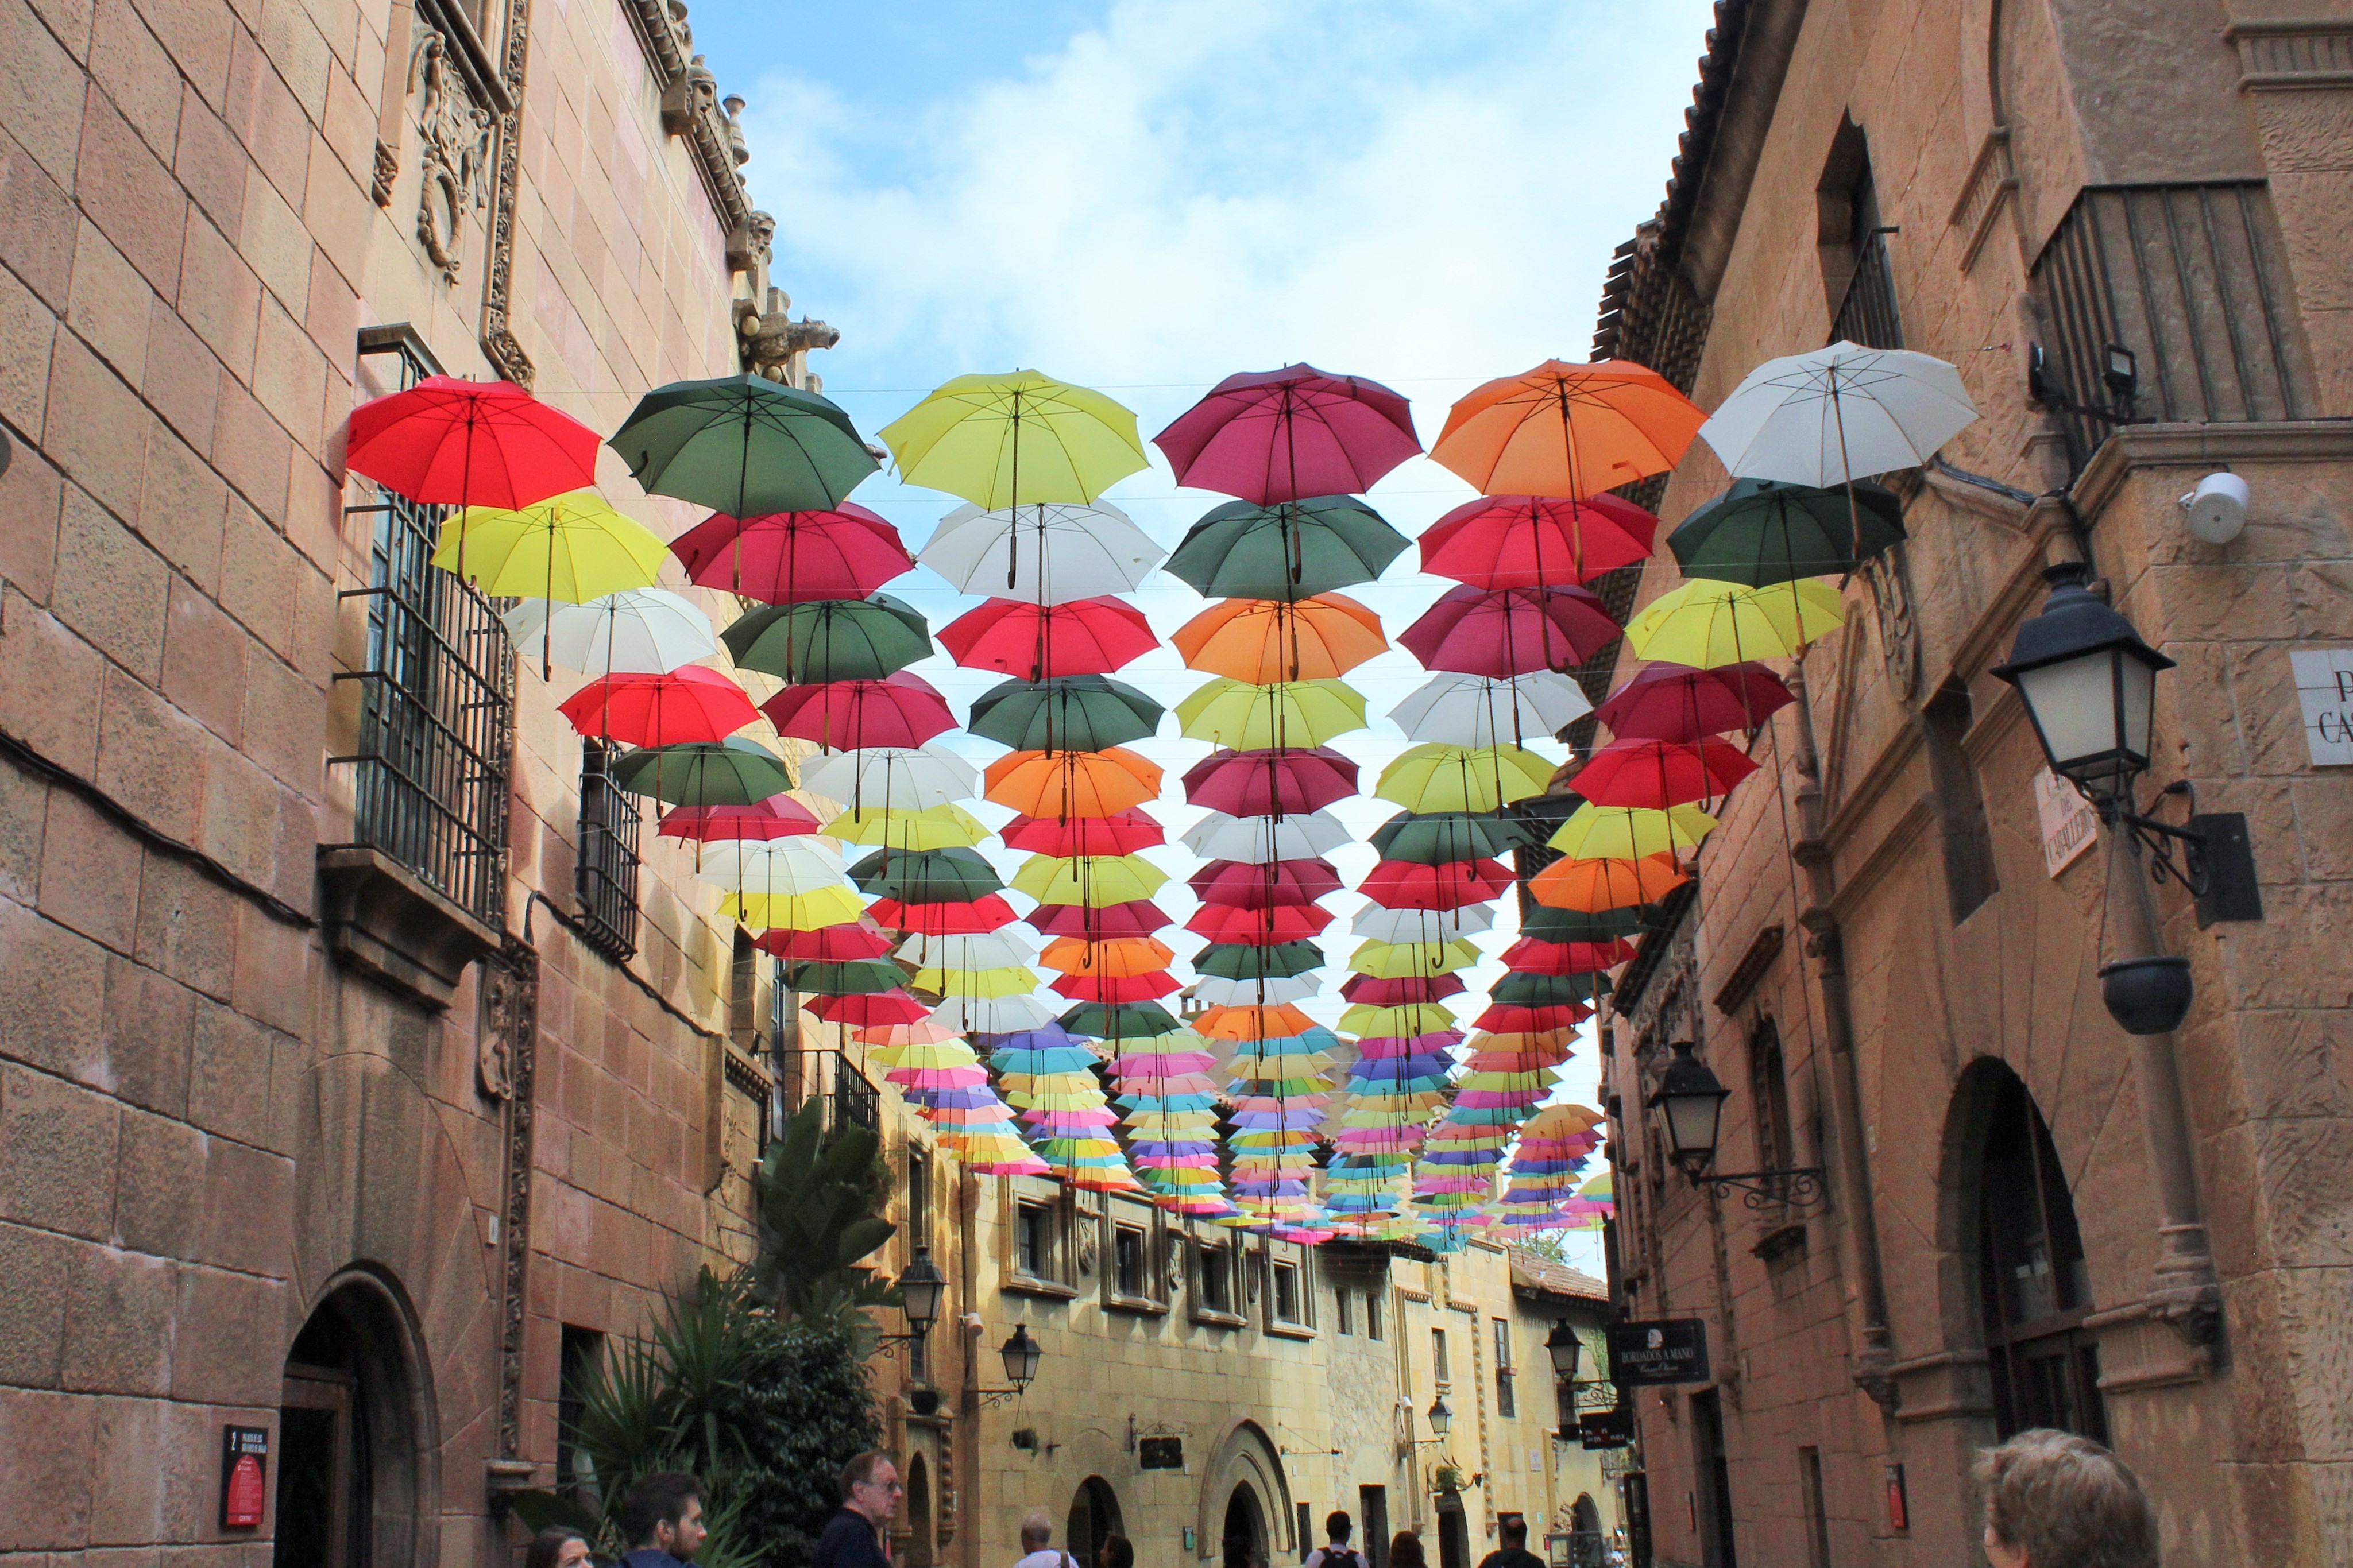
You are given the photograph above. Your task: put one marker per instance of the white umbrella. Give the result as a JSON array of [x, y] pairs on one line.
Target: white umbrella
[[986, 949], [1219, 992], [1301, 836], [638, 631], [1838, 414], [991, 1014], [1047, 553], [1375, 923], [1478, 711], [897, 778], [787, 865]]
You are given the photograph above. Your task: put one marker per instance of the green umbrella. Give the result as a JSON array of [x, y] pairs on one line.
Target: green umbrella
[[926, 875], [858, 977], [1577, 925], [1068, 713], [1286, 552], [1432, 839], [1244, 960], [1763, 531], [744, 446], [1118, 1021], [704, 772], [1520, 989], [830, 639]]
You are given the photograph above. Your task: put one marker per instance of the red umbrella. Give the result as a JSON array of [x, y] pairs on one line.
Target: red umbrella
[[1510, 1019], [1284, 435], [1676, 702], [791, 557], [844, 943], [1241, 884], [1123, 834], [1116, 988], [1270, 782], [985, 913], [778, 817], [1041, 642], [1659, 773], [1139, 917], [898, 710], [691, 703], [1402, 992], [1500, 632], [1532, 542], [1530, 955], [893, 1007], [1260, 928], [470, 442], [1449, 885]]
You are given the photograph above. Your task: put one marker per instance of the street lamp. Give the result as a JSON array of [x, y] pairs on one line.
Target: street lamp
[[921, 1291], [1021, 1355], [1563, 1345], [1442, 1419], [1689, 1102]]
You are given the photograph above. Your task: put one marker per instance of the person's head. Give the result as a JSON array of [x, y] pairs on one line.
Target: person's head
[[556, 1547], [1116, 1552], [1514, 1529], [1036, 1532], [1236, 1551], [1336, 1525], [1405, 1550], [2056, 1500], [665, 1511], [869, 1484]]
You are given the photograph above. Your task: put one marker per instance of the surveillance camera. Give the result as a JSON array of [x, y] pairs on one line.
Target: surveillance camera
[[2217, 508]]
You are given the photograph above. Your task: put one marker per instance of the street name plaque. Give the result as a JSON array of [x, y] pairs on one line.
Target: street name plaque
[[1666, 1349]]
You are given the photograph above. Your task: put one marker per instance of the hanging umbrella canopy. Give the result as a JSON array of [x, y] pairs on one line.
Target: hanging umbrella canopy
[[933, 827], [830, 639], [772, 865], [1532, 955], [778, 817], [1375, 992], [1704, 624], [1564, 926], [926, 875], [1147, 987], [795, 557], [1661, 772], [744, 446], [986, 913], [1376, 924], [1571, 430], [905, 777], [694, 703], [1534, 542], [1118, 955], [1061, 785], [1128, 1021], [1447, 885], [732, 771], [1438, 836], [1238, 714], [1261, 642], [1264, 928], [1301, 836], [857, 977], [1481, 711], [574, 547], [1263, 782], [1043, 642], [1434, 778], [470, 443], [1277, 1023], [834, 906], [1293, 550], [1593, 885], [1667, 701], [1500, 632], [827, 944], [1281, 435], [1009, 440], [1112, 922], [1002, 980], [1273, 991], [1413, 1018], [992, 950], [1071, 713], [1247, 884], [1546, 990], [634, 631], [1401, 960], [992, 1014], [1837, 413], [1240, 961], [1762, 531], [900, 710], [1050, 554], [1122, 835], [1093, 881], [1631, 832], [879, 1008]]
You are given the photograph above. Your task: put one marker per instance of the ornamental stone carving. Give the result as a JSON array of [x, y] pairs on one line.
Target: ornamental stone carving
[[454, 151], [773, 345]]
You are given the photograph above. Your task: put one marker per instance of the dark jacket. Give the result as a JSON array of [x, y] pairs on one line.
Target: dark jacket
[[1512, 1557], [850, 1541], [652, 1557]]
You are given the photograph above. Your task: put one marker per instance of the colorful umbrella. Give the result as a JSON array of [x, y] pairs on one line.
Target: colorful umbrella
[[1481, 711], [1264, 783], [926, 875], [1400, 960], [650, 631], [1236, 714], [1249, 885], [834, 906], [1139, 918], [1435, 778], [1042, 554], [1836, 413], [935, 918], [1290, 551], [1073, 713], [900, 710], [894, 827], [1061, 784], [878, 778], [1377, 924], [1530, 955], [1447, 885], [992, 950], [1269, 991], [742, 445], [1263, 642], [1009, 440], [778, 866], [1119, 955], [1599, 884], [794, 557], [778, 817], [1093, 881], [1762, 531], [1668, 701], [1631, 832], [1300, 835], [694, 703], [1241, 961], [1704, 624], [1535, 541], [1119, 835], [1500, 632], [732, 771], [1571, 430], [574, 547], [477, 443], [1041, 642], [830, 639], [1438, 836], [841, 943], [1281, 435], [1266, 927], [1661, 772]]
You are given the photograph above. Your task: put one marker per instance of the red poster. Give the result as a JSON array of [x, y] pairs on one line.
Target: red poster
[[245, 1453]]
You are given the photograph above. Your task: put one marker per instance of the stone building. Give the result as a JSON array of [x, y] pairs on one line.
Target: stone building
[[2122, 220]]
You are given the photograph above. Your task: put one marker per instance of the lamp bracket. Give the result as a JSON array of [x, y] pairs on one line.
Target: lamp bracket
[[1800, 1188], [989, 1396], [2158, 838], [1599, 1394]]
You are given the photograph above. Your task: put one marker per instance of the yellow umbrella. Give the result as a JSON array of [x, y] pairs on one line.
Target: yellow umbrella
[[1706, 623], [1096, 881], [1362, 1019], [1228, 712], [1630, 832], [573, 547], [1013, 980], [1411, 960], [833, 906], [1007, 440], [1435, 777], [936, 828]]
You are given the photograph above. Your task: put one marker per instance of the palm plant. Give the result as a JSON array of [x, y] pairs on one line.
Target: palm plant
[[819, 1215]]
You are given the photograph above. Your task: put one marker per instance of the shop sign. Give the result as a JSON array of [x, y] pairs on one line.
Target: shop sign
[[1160, 1453], [245, 1459], [1666, 1349], [2324, 687], [2069, 823], [1602, 1429]]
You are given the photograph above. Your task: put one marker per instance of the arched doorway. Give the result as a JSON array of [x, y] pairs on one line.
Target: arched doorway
[[1453, 1534], [1585, 1543], [921, 1532], [1245, 1543], [1093, 1517], [352, 1434]]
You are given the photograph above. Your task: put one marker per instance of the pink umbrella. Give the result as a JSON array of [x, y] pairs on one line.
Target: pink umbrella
[[1270, 782], [692, 703], [1676, 702], [778, 817], [1043, 642], [1528, 541], [1449, 885], [1284, 434], [1241, 884], [1500, 632], [898, 710], [844, 943], [792, 557]]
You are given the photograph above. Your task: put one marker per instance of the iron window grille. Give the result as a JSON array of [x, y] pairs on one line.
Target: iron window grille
[[604, 875], [429, 780], [1867, 315]]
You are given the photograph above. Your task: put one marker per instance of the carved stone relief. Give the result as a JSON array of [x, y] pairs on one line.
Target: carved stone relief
[[499, 341], [1889, 578], [454, 151], [514, 1018], [773, 345]]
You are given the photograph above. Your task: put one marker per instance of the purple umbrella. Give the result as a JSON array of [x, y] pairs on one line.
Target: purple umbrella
[[1285, 435], [1503, 632]]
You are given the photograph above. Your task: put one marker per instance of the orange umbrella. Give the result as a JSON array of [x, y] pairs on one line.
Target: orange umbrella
[[1072, 784], [1262, 641], [1605, 884], [1569, 430], [1280, 1022], [1117, 957]]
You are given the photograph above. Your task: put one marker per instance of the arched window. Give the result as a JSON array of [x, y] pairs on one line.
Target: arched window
[[2034, 1290]]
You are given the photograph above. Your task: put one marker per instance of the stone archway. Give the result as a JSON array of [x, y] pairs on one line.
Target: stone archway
[[1242, 1538], [1094, 1517], [1244, 1460], [357, 1481], [922, 1531]]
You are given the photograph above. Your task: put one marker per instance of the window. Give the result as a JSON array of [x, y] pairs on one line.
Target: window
[[1960, 807], [581, 1354], [1564, 1408], [1817, 1519], [919, 1200], [1769, 1085], [1375, 1328], [1033, 1229], [1344, 1312], [1441, 1369], [1503, 1361], [2035, 1290], [1853, 241], [1505, 1402], [605, 876], [1288, 1308], [742, 993], [1216, 1276], [436, 705], [1131, 1268]]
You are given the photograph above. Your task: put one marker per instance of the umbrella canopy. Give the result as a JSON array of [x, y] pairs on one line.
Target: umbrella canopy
[[775, 866], [1270, 992], [1762, 531], [992, 950], [1043, 642], [1263, 642], [879, 1007], [1565, 429], [1263, 927], [1836, 413], [1289, 551], [1238, 714], [1112, 922], [638, 631], [1377, 924], [1447, 885], [926, 875], [792, 557], [944, 918], [834, 906], [1093, 881], [1061, 785], [1121, 834], [1047, 554], [1009, 440], [933, 827], [897, 777], [1130, 1021], [1661, 772], [1071, 713], [900, 710], [1481, 711], [1704, 624], [1117, 955], [1378, 992], [1533, 541], [1262, 783], [742, 445], [695, 703], [1533, 956], [1401, 960], [1668, 701], [573, 547], [831, 639], [1281, 435], [732, 771], [1631, 832], [1595, 885], [827, 944], [994, 1015], [1148, 987], [1250, 885], [1300, 835], [1276, 1023], [470, 443], [1244, 960], [778, 817], [1572, 926], [1435, 778], [1499, 632], [1438, 836]]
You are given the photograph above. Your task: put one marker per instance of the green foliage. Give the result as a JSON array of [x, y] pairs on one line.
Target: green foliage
[[820, 1202], [1546, 1243], [809, 1415]]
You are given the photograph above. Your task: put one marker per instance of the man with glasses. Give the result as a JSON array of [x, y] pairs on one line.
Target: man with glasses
[[869, 1501]]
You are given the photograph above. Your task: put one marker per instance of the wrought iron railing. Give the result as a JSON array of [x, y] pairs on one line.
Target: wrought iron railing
[[856, 1101], [1867, 315], [604, 875]]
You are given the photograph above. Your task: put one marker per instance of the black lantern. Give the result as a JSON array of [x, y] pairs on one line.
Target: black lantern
[[921, 1289], [1021, 1355], [1442, 1419], [1689, 1103], [2090, 688], [1563, 1345]]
